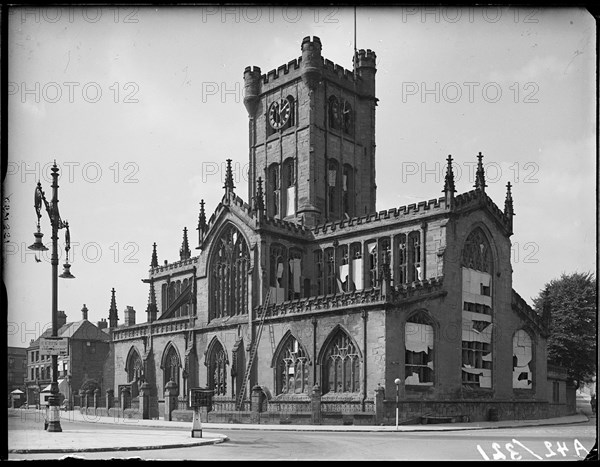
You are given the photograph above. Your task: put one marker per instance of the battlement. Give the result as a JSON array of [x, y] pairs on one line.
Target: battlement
[[366, 58], [252, 71], [175, 266], [478, 197], [423, 207], [338, 70], [307, 43], [292, 227]]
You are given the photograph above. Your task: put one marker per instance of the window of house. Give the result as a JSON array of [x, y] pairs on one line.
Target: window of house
[[341, 365], [418, 343], [11, 362], [292, 368]]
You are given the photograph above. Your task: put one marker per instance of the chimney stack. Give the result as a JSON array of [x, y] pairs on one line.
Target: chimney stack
[[102, 324], [84, 312], [61, 318], [129, 316]]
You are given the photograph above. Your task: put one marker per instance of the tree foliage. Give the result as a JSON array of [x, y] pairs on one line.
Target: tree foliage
[[571, 302]]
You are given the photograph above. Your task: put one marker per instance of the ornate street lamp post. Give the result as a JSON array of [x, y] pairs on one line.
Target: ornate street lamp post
[[56, 222]]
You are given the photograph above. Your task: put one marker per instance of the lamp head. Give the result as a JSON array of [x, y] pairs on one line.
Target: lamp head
[[38, 245], [67, 272]]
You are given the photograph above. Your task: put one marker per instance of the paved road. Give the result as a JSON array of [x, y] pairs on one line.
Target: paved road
[[569, 442]]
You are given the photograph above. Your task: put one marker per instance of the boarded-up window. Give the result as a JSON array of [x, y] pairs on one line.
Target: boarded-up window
[[522, 360], [418, 343]]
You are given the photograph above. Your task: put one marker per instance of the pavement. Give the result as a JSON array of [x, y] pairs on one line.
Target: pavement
[[175, 434]]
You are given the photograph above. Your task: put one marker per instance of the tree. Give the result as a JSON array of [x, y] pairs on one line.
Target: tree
[[571, 305]]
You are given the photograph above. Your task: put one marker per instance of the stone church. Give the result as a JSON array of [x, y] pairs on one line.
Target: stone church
[[305, 287]]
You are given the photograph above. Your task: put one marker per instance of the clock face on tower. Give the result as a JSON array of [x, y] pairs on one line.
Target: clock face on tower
[[279, 113]]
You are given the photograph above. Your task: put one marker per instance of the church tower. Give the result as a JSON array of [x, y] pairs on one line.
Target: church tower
[[312, 136]]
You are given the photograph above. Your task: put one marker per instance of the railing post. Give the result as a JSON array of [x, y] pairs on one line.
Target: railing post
[[379, 407], [144, 398], [316, 404], [110, 394], [171, 393], [96, 398], [256, 404], [89, 398]]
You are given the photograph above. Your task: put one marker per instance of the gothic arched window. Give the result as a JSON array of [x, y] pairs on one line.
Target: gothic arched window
[[334, 113], [217, 369], [292, 368], [171, 367], [333, 187], [289, 187], [229, 274], [414, 256], [273, 190], [348, 190], [418, 345], [347, 118], [522, 360], [341, 365], [476, 252], [134, 370], [277, 273]]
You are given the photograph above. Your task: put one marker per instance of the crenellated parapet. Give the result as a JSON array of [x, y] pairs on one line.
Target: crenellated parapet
[[274, 223], [391, 216], [418, 289], [323, 303], [477, 198], [312, 68], [157, 328], [175, 266]]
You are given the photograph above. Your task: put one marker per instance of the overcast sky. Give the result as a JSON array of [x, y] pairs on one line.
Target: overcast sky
[[140, 107]]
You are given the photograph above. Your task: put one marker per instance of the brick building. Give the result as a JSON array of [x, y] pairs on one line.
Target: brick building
[[85, 366], [16, 370], [306, 289]]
